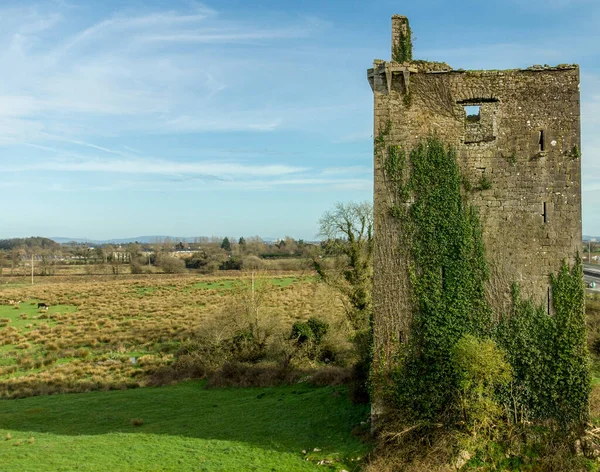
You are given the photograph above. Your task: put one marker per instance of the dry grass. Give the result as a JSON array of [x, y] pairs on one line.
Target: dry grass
[[111, 333]]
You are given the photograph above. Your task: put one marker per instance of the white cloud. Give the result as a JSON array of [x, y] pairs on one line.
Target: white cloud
[[347, 170], [150, 166], [128, 24], [154, 70], [241, 121]]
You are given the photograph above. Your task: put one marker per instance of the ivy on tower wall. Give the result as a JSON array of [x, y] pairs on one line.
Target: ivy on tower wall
[[547, 352]]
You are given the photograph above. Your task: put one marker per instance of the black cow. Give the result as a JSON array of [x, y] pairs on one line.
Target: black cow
[[42, 305]]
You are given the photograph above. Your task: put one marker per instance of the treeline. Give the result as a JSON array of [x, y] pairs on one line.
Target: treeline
[[169, 256], [35, 242], [226, 254]]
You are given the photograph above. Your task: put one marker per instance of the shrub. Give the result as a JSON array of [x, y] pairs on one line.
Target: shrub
[[137, 265], [318, 327], [481, 367], [330, 376], [170, 265], [313, 329], [241, 374], [549, 354], [244, 346], [204, 261], [252, 262], [359, 388], [82, 352], [301, 332], [233, 263]]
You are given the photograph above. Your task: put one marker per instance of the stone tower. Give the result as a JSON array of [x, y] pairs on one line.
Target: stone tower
[[517, 137]]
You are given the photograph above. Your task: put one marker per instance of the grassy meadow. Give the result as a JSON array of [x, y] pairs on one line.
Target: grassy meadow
[[184, 427], [103, 336], [105, 333]]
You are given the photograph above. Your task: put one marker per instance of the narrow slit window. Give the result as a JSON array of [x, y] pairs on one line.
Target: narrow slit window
[[542, 141], [473, 113], [545, 214], [549, 300]]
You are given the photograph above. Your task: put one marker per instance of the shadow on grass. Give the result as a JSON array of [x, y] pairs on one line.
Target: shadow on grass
[[292, 417]]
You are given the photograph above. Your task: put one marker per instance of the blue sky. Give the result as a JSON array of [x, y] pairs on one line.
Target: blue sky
[[120, 119]]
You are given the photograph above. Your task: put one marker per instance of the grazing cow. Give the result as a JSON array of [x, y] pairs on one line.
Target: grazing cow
[[43, 306]]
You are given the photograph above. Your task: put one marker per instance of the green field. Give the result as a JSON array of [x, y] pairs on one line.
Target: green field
[[183, 428], [27, 314], [95, 326], [86, 342], [231, 283]]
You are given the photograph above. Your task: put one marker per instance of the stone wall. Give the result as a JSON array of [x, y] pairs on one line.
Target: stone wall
[[520, 156]]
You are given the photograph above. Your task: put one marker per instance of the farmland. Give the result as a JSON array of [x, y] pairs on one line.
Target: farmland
[[103, 333], [108, 332]]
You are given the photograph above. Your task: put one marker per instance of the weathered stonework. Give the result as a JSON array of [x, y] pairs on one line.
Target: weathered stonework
[[520, 155]]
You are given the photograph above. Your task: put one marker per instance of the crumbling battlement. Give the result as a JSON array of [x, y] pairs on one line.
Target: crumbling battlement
[[517, 136]]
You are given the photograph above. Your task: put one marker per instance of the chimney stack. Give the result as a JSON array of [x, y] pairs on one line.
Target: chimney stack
[[401, 39]]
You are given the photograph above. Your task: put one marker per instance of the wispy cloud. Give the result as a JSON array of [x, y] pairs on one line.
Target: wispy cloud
[[242, 121], [152, 67], [150, 166], [152, 175]]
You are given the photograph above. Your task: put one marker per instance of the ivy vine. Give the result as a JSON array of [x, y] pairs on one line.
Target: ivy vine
[[547, 354], [511, 158], [402, 52]]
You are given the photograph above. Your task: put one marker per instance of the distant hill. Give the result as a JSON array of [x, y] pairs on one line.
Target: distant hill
[[138, 239], [589, 238], [36, 242]]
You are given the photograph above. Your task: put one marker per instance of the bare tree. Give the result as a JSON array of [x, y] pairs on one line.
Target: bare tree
[[348, 233]]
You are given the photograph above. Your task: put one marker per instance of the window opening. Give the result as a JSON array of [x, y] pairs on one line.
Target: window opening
[[545, 214], [473, 113], [541, 141]]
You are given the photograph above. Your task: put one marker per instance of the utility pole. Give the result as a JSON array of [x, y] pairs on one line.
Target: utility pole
[[254, 306], [31, 269]]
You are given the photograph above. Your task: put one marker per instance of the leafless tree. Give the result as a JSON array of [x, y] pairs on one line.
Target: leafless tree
[[347, 230]]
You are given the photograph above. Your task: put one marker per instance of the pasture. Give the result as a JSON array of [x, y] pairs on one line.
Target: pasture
[[184, 427], [105, 333], [114, 333]]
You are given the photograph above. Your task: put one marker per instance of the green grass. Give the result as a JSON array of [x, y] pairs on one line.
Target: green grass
[[215, 285], [14, 285], [284, 281], [30, 309], [228, 284], [185, 427], [141, 291]]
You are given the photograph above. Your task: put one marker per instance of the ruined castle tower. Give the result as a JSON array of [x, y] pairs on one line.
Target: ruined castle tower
[[517, 137]]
